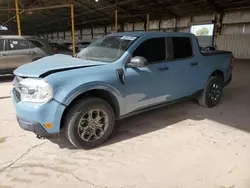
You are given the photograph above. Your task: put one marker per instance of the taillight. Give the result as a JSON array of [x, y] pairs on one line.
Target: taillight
[[232, 62]]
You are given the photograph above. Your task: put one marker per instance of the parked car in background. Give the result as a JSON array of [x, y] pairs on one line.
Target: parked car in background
[[82, 45], [67, 45], [79, 46], [16, 51], [63, 48], [54, 47], [116, 76]]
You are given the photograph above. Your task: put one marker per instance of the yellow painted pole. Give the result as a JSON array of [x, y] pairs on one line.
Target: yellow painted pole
[[116, 20], [18, 18], [73, 29], [147, 22]]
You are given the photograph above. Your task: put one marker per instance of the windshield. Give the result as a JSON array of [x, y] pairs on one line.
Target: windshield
[[107, 49]]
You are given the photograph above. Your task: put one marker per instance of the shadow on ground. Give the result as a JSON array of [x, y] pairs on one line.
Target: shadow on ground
[[228, 113]]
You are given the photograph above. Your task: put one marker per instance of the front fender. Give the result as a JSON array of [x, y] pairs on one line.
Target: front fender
[[92, 86]]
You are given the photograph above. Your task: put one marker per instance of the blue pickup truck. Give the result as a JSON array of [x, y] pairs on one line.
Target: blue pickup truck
[[116, 76]]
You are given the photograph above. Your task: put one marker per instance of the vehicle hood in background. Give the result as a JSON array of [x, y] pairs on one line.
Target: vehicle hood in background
[[52, 64]]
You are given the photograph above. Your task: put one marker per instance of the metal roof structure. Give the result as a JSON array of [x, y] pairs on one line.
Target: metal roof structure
[[92, 13], [16, 37]]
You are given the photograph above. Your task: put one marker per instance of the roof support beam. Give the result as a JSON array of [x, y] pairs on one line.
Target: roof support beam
[[47, 7], [118, 7], [85, 13], [55, 3], [36, 8], [166, 8], [214, 5], [85, 6]]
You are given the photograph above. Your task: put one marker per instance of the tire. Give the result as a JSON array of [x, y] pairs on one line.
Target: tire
[[211, 95], [78, 122]]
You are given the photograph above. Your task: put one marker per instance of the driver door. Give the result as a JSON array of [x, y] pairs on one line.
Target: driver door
[[152, 84]]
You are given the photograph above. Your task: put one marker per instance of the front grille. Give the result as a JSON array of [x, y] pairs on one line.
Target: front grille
[[16, 89], [17, 94]]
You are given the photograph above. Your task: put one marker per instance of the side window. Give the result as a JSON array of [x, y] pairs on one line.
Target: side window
[[18, 44], [182, 47], [153, 50], [1, 45], [36, 44]]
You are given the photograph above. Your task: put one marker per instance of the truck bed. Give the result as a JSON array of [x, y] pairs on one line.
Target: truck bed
[[216, 52]]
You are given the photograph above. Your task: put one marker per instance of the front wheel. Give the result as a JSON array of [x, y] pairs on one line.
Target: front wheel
[[211, 95], [89, 123]]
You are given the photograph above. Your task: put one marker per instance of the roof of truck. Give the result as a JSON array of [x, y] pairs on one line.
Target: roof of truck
[[153, 33]]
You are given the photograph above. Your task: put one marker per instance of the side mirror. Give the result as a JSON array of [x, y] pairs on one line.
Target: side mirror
[[138, 61]]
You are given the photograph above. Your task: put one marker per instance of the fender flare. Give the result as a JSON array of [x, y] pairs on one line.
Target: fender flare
[[91, 86], [220, 70]]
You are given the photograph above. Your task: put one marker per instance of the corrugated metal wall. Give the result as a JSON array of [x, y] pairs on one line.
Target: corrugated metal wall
[[235, 33], [238, 44]]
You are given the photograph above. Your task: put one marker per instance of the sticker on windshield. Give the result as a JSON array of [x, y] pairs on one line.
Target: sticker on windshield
[[128, 38]]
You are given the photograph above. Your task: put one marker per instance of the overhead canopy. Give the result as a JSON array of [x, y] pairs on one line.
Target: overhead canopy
[[91, 13]]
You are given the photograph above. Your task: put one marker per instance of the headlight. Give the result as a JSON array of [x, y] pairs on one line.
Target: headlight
[[35, 90]]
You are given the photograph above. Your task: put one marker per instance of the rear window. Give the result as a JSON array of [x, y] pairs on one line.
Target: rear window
[[36, 44], [182, 47]]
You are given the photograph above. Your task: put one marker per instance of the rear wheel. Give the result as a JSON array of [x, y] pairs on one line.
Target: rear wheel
[[211, 95], [89, 123]]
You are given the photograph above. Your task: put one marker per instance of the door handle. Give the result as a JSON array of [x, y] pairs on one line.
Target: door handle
[[163, 68], [194, 64]]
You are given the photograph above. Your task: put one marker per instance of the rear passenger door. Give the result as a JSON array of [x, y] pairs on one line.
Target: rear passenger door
[[17, 52], [183, 63]]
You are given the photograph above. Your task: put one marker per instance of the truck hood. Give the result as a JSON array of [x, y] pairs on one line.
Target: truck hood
[[53, 64]]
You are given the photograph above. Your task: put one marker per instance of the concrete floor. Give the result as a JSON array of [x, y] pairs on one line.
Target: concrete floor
[[181, 146]]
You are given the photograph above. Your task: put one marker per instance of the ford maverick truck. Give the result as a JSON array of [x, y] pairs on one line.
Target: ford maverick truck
[[116, 76]]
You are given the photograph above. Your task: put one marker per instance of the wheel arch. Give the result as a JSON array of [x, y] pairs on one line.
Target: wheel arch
[[219, 73], [103, 94]]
